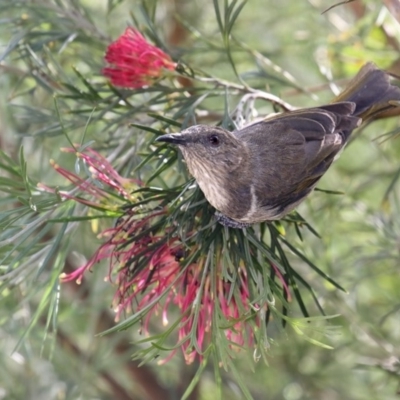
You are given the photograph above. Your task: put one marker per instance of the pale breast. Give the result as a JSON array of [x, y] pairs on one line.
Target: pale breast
[[210, 184], [214, 192]]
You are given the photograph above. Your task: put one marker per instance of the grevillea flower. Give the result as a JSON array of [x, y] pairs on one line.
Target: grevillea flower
[[195, 292], [134, 62], [147, 264]]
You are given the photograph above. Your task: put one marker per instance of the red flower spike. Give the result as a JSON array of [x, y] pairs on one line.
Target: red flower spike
[[204, 299], [134, 62]]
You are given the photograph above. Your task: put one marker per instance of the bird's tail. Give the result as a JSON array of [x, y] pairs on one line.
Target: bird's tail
[[371, 91]]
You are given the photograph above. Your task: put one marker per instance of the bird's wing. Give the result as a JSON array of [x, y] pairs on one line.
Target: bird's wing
[[291, 151]]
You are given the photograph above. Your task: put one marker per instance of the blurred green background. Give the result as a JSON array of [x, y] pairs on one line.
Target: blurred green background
[[304, 57]]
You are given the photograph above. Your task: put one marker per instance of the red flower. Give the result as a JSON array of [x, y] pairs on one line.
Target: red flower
[[200, 296], [147, 266], [134, 62]]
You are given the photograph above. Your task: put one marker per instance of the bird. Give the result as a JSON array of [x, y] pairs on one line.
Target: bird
[[265, 170]]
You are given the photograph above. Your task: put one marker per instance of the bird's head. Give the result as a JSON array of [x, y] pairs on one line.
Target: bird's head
[[207, 150]]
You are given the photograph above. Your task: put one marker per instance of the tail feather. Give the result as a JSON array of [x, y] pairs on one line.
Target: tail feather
[[371, 91], [346, 119]]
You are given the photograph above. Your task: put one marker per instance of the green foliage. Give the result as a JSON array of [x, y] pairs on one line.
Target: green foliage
[[237, 60]]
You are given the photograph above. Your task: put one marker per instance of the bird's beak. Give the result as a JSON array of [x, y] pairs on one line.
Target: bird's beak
[[174, 138]]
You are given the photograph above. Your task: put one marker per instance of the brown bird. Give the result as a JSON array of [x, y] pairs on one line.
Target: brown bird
[[263, 171]]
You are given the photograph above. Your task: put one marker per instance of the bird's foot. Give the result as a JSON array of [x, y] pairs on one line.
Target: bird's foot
[[229, 222]]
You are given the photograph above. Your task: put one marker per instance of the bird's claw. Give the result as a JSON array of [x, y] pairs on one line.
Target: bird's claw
[[230, 223]]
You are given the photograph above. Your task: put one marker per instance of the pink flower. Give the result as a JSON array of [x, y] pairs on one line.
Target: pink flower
[[163, 285], [168, 286], [147, 264], [134, 62]]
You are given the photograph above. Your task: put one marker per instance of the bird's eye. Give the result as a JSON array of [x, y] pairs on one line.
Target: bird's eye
[[214, 140]]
